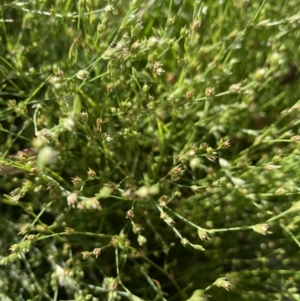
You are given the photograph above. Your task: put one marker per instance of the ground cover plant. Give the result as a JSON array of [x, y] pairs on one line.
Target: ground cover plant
[[149, 150]]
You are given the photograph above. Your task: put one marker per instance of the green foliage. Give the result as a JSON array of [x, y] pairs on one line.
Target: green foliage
[[149, 150]]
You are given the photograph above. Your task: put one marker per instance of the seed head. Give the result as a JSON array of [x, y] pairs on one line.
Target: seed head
[[82, 74]]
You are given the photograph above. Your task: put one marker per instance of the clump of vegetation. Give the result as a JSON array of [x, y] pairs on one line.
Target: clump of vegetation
[[149, 150]]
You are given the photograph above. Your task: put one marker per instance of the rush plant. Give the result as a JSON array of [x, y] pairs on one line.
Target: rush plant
[[149, 150]]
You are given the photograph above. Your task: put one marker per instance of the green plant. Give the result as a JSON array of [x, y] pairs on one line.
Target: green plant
[[161, 146]]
